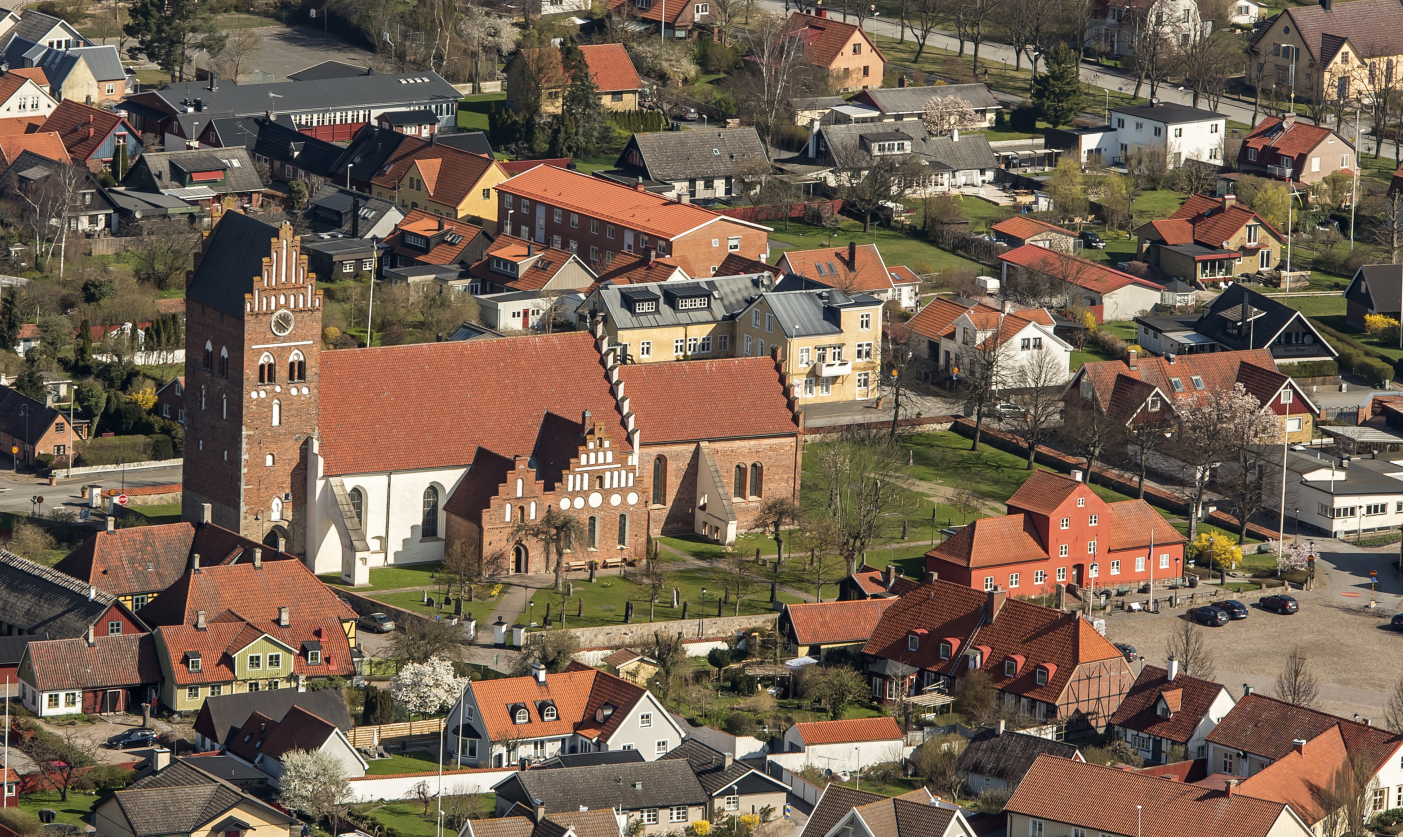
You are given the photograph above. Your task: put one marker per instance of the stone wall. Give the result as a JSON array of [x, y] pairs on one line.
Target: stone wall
[[621, 636]]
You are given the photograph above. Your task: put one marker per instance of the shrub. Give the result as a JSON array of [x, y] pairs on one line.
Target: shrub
[[162, 447], [738, 723], [21, 822], [115, 450], [1024, 118], [1310, 369], [107, 777], [1374, 369]]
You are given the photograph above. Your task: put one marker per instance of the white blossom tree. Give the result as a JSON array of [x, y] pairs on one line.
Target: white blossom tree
[[425, 688], [314, 783], [1215, 430], [489, 37], [946, 114], [1293, 559]]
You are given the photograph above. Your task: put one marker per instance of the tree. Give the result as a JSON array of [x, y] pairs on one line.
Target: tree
[[83, 347], [1189, 645], [420, 640], [556, 531], [937, 763], [379, 707], [775, 514], [1117, 201], [1206, 435], [736, 576], [923, 16], [668, 651], [64, 756], [241, 47], [1067, 190], [1153, 45], [462, 566], [552, 649], [1297, 684], [11, 318], [313, 782], [776, 73], [1347, 797], [975, 697], [866, 184], [983, 373], [1267, 198], [489, 36], [943, 115], [1207, 61], [655, 579], [1255, 478], [427, 687], [972, 21], [840, 688], [1149, 433], [1039, 382], [1057, 93], [1393, 713], [165, 251], [169, 32], [820, 537], [297, 194], [581, 108], [859, 474]]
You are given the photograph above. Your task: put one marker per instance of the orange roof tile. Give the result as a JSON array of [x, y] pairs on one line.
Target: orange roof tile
[[1219, 371], [1093, 276], [903, 275], [1195, 205], [220, 639], [428, 224], [609, 66], [872, 581], [1266, 727], [1021, 226], [825, 38], [634, 269], [1188, 697], [993, 541], [1174, 231], [843, 732], [837, 268], [1295, 141], [708, 399], [110, 662], [576, 696], [450, 174], [46, 144], [595, 197], [35, 74], [542, 264], [821, 623], [84, 128], [1298, 777], [937, 317], [20, 125], [254, 592]]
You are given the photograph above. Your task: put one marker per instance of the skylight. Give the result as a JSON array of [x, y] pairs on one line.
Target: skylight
[[1177, 384]]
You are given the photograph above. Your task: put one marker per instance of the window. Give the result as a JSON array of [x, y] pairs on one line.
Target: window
[[659, 480], [255, 662], [864, 351], [1062, 571], [53, 700], [864, 321], [733, 244], [555, 215], [913, 643], [192, 693], [1370, 509], [275, 661], [1066, 523], [747, 344], [1228, 763], [769, 322], [277, 413], [623, 530], [645, 719], [857, 48], [733, 803], [1010, 668], [111, 89], [988, 582], [1164, 561], [549, 714], [114, 628], [429, 524], [574, 219], [1092, 520], [705, 347], [1115, 567], [1091, 547], [678, 346], [757, 475], [357, 497], [521, 716], [1039, 576], [609, 231], [1061, 553], [194, 665], [723, 343], [660, 747], [1012, 580], [216, 691], [1140, 564], [1179, 132], [469, 748], [677, 813], [1081, 502], [314, 658]]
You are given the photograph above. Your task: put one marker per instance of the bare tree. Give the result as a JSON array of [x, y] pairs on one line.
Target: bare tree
[[923, 16], [860, 472], [655, 579], [556, 531], [1039, 381], [63, 756], [983, 372], [777, 72], [1393, 713], [736, 575], [1189, 645], [1149, 432], [1207, 62], [240, 48], [1207, 434], [820, 537], [1153, 44], [1347, 799], [775, 514], [1089, 432], [937, 763], [1297, 684], [973, 21]]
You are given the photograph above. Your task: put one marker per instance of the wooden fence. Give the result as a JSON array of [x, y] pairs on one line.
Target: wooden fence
[[371, 736]]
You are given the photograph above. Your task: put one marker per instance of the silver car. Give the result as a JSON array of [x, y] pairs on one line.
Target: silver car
[[379, 623]]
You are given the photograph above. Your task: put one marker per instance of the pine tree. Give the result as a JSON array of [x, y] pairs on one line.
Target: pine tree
[[1057, 93], [30, 382], [83, 349], [10, 320], [582, 103], [168, 31]]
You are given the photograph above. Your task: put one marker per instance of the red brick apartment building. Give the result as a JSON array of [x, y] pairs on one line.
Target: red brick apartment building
[[598, 220], [1058, 531]]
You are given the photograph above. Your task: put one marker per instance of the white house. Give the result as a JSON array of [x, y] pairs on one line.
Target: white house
[[263, 742], [1180, 132], [1343, 496], [1120, 27], [1167, 716], [842, 745], [1110, 294], [496, 723], [1245, 13], [1024, 339]]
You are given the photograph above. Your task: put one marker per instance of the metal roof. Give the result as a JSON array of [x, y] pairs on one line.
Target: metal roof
[[729, 296], [813, 312], [423, 87]]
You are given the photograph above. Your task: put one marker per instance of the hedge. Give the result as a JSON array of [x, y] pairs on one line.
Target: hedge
[[1352, 352], [114, 450], [1310, 369]]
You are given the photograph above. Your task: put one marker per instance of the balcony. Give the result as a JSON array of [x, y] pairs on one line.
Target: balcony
[[833, 369], [1284, 172]]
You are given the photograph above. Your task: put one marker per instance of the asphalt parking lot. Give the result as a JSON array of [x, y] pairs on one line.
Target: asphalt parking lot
[[1353, 652]]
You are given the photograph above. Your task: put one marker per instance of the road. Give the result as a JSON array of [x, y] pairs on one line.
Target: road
[[16, 490]]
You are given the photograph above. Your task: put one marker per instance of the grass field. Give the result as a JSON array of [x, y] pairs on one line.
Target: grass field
[[896, 247], [168, 513], [473, 110], [390, 578], [414, 601], [76, 811], [418, 761]]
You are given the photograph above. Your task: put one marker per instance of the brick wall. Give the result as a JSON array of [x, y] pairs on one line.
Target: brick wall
[[213, 416], [696, 253], [778, 457]]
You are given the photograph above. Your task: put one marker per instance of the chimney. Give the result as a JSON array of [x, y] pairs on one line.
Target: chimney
[[539, 806], [199, 620], [111, 524], [92, 592], [257, 558], [1246, 690], [585, 417], [931, 576], [651, 253], [1230, 787], [1299, 745], [195, 562], [1172, 359], [1229, 200], [206, 512], [213, 82], [1131, 356], [530, 249], [1173, 667], [995, 602], [821, 12], [1002, 725], [813, 129], [539, 672], [901, 82], [1325, 4], [889, 576], [282, 544], [91, 639], [638, 187], [355, 218], [199, 105], [726, 760], [1076, 476], [160, 758], [852, 256], [440, 222], [283, 617]]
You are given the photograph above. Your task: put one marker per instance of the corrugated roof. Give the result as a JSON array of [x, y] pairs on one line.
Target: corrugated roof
[[908, 100]]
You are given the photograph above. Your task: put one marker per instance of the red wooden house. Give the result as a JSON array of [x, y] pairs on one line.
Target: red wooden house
[[1058, 531]]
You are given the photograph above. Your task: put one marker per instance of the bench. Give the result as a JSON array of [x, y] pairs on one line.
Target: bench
[[576, 566], [611, 562]]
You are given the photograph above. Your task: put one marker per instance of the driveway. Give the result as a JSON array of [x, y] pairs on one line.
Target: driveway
[[1337, 628]]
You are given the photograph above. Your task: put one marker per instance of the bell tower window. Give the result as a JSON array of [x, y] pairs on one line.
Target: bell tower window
[[297, 367], [267, 370]]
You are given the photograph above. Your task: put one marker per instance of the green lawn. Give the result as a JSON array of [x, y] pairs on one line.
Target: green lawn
[[1124, 329], [473, 110], [1159, 203], [896, 247], [1338, 323], [76, 811], [1087, 355], [419, 761], [167, 513], [390, 578], [407, 818], [792, 571], [589, 165], [1317, 306], [481, 604]]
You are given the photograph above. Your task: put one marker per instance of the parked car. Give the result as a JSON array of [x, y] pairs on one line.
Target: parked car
[[689, 114], [1131, 655], [139, 737], [1209, 615], [1234, 609], [1279, 603], [1005, 410], [1396, 622], [379, 623], [1092, 240]]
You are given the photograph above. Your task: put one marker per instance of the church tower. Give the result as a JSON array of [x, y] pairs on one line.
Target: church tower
[[252, 355]]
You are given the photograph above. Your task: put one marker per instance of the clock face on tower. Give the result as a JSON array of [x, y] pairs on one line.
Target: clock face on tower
[[282, 323]]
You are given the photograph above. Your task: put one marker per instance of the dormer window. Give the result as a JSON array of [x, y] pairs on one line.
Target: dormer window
[[1177, 384], [549, 714], [645, 307], [945, 650], [913, 643], [521, 716], [195, 665], [1154, 404], [1197, 382], [1010, 668], [314, 658], [692, 303], [1042, 676], [1163, 710]]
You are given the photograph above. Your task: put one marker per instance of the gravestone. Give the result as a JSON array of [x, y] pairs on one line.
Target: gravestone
[[592, 567], [458, 606], [425, 599], [628, 613], [547, 613], [774, 589], [580, 610], [431, 602], [720, 608], [569, 588], [674, 598], [728, 595], [684, 610]]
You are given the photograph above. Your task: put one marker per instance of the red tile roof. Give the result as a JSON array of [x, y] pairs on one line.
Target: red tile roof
[[1297, 778], [595, 197], [111, 662], [46, 144], [634, 269], [298, 730], [654, 13], [611, 67], [428, 224], [449, 174], [872, 581], [1093, 276], [228, 634], [457, 401], [708, 399], [545, 263], [1296, 141], [903, 275], [35, 73], [1266, 727], [10, 83], [20, 125], [576, 695], [1044, 492], [993, 541], [1188, 698], [1174, 231], [84, 128], [519, 166], [844, 732], [737, 265], [823, 623], [255, 593], [1021, 226], [1219, 371], [935, 319], [826, 39], [832, 266], [1105, 799], [1195, 205]]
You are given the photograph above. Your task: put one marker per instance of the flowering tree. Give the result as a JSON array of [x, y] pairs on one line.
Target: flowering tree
[[1293, 559], [1220, 552], [425, 688], [313, 782], [1227, 425], [945, 114]]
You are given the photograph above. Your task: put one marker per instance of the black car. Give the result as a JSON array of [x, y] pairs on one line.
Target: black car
[[1092, 240], [1233, 608], [1396, 622], [1284, 605], [140, 737], [1209, 615], [1131, 655]]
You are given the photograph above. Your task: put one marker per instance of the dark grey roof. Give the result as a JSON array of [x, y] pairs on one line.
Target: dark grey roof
[[328, 69], [475, 142], [913, 99], [34, 25], [227, 768], [339, 247], [1167, 113], [408, 117], [891, 668], [1363, 476], [649, 784], [1269, 317], [233, 258], [1165, 324], [12, 648], [373, 91], [1383, 288], [844, 146], [1197, 250], [833, 805], [971, 151], [17, 48], [330, 210], [442, 272], [103, 62], [595, 759], [181, 799], [817, 102], [161, 166], [194, 124], [470, 331], [1009, 756], [709, 765], [44, 602], [32, 166], [369, 149], [286, 144], [729, 296], [149, 204], [1175, 286], [222, 716], [243, 130], [680, 155], [813, 312]]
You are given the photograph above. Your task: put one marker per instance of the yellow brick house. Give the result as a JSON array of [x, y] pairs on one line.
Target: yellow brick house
[[831, 341], [1340, 51], [445, 181]]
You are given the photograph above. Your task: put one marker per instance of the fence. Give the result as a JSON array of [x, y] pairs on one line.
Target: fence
[[800, 786], [371, 736], [1341, 415], [109, 245], [401, 786], [130, 466], [779, 211]]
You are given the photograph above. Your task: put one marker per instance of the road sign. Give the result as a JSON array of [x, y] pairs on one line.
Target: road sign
[[113, 492], [1373, 573], [85, 514], [14, 449], [121, 499]]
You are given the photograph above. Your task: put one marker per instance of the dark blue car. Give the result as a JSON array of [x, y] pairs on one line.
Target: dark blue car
[[1209, 615]]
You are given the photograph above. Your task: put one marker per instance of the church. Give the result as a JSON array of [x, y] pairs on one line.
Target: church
[[361, 458]]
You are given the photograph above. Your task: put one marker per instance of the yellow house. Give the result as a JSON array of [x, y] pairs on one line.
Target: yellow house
[[1336, 55], [445, 181], [631, 666], [609, 65], [181, 800], [831, 341]]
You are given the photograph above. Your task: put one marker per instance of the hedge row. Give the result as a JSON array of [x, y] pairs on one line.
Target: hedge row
[[1362, 360], [1310, 369]]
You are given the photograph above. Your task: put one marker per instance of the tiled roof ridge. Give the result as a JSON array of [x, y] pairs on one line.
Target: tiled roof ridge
[[55, 577]]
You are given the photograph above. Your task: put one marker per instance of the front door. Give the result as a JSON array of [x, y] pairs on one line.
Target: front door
[[112, 701], [525, 318], [521, 559]]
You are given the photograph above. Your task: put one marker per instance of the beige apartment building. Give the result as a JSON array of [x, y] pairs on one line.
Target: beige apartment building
[[831, 341], [1345, 51]]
